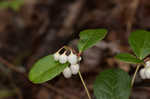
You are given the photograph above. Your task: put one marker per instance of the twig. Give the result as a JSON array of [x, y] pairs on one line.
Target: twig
[[10, 66], [86, 89]]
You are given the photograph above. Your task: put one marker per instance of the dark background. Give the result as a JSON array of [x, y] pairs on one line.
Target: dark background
[[41, 27]]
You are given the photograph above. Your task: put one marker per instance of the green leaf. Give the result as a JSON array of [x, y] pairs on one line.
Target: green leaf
[[112, 84], [139, 41], [90, 37], [126, 57], [45, 69]]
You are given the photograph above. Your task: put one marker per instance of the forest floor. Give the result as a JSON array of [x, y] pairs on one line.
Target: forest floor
[[41, 27]]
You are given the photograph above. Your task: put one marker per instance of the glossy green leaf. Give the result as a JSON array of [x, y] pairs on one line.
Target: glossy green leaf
[[139, 41], [126, 57], [90, 37], [112, 84], [45, 69]]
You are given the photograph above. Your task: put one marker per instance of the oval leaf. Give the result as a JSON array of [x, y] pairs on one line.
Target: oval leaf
[[126, 57], [90, 37], [45, 69], [112, 84], [139, 41]]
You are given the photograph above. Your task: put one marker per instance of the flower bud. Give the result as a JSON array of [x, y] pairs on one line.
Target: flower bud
[[56, 56], [147, 64], [147, 73], [63, 58], [142, 73], [67, 72], [79, 58], [74, 69], [72, 59]]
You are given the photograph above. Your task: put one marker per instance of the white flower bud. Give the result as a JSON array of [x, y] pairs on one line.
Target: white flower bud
[[79, 58], [72, 59], [74, 69], [56, 56], [63, 58], [147, 64], [147, 73], [67, 72], [142, 73]]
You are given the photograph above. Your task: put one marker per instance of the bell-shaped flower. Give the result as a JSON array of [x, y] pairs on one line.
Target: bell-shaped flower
[[72, 59], [147, 73], [147, 64], [56, 56], [67, 72], [74, 69], [142, 73], [63, 58], [79, 58]]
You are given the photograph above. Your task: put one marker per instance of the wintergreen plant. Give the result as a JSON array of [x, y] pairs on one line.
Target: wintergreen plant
[[66, 60], [139, 42], [117, 84], [109, 84]]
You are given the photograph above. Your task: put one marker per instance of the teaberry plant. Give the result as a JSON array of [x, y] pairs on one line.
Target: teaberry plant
[[139, 41], [109, 84]]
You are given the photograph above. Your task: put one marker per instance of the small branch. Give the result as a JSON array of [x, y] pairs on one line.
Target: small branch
[[10, 66], [133, 79], [86, 89]]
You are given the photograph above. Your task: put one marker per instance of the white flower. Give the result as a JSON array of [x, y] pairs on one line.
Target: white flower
[[63, 58], [147, 64], [79, 58], [67, 72], [74, 69], [56, 56], [147, 73], [72, 59], [142, 73]]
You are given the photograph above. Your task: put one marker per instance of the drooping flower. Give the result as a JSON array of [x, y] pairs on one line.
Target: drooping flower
[[56, 56], [74, 69], [79, 58], [142, 73], [147, 64], [63, 58], [67, 72], [72, 58], [147, 73]]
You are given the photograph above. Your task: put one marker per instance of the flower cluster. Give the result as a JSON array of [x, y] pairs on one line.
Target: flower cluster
[[145, 72], [65, 55]]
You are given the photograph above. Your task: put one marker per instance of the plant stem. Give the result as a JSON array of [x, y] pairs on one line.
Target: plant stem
[[86, 89], [133, 79]]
